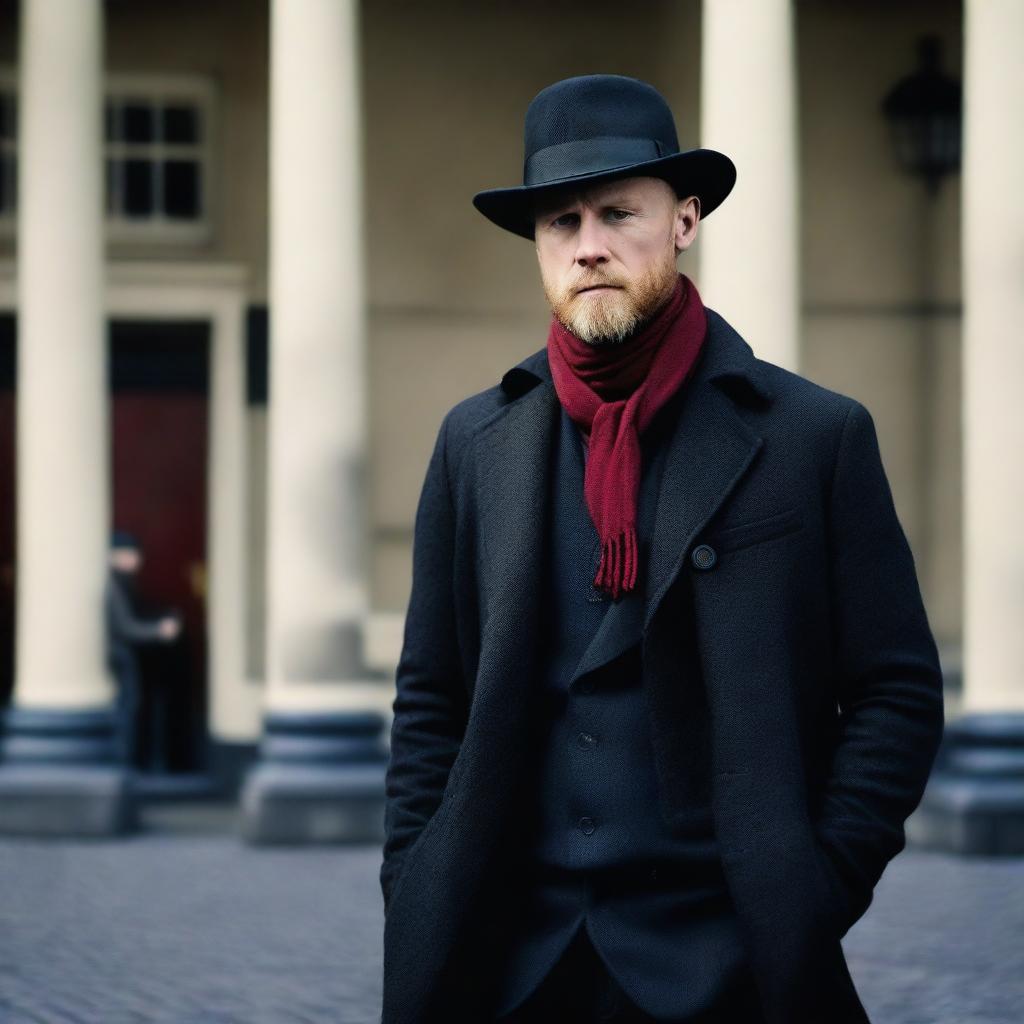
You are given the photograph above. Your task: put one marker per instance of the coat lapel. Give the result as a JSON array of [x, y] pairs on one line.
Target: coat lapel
[[619, 630], [512, 457], [512, 454], [710, 450]]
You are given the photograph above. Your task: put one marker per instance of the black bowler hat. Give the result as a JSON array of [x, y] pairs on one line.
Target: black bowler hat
[[124, 539], [597, 128]]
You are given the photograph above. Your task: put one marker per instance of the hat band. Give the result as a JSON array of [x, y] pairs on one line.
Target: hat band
[[587, 156]]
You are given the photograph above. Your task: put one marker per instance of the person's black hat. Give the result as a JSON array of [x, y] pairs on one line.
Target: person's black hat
[[597, 128], [124, 539]]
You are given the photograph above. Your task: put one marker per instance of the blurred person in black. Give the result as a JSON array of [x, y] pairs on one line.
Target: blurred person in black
[[126, 629]]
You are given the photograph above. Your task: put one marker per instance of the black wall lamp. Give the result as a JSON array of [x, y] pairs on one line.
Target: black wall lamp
[[924, 115]]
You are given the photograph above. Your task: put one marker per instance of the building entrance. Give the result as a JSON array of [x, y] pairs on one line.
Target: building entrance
[[159, 385]]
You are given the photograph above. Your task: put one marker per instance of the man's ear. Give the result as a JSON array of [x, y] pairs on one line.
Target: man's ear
[[687, 218]]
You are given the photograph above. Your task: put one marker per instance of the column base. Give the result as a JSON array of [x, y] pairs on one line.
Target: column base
[[974, 801], [229, 762], [59, 776], [320, 780]]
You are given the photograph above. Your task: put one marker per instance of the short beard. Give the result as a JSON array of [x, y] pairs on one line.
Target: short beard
[[615, 316]]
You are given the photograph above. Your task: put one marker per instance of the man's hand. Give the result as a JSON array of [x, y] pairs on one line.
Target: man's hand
[[169, 627]]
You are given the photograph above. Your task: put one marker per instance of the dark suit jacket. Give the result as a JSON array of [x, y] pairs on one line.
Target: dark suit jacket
[[820, 671]]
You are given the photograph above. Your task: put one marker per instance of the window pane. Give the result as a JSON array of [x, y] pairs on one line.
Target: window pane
[[137, 122], [138, 188], [181, 189], [180, 124]]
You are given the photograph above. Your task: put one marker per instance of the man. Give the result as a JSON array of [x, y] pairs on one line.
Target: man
[[667, 691], [125, 629]]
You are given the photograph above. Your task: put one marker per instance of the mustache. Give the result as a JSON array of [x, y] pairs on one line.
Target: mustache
[[593, 282]]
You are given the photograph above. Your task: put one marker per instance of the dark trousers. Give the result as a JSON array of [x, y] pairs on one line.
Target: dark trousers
[[129, 696], [579, 990]]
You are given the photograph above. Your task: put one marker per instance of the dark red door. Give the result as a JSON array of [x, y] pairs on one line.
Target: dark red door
[[159, 376]]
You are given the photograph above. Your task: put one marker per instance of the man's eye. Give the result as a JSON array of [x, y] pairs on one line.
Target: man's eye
[[619, 214], [565, 220]]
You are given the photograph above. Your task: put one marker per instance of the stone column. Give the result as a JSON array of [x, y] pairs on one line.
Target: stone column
[[748, 253], [975, 801], [321, 775], [58, 774]]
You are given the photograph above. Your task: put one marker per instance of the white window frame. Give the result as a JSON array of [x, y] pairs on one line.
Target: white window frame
[[193, 89], [196, 90]]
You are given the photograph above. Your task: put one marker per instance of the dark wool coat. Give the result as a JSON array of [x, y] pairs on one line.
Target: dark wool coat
[[807, 634]]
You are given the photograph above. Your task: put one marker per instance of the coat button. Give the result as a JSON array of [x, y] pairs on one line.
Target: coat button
[[703, 556], [586, 740], [587, 826], [587, 685]]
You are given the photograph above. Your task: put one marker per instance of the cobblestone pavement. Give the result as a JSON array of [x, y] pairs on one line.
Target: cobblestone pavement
[[190, 926]]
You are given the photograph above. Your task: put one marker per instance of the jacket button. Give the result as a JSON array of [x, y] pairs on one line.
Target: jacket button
[[587, 685], [586, 739], [703, 556], [587, 826]]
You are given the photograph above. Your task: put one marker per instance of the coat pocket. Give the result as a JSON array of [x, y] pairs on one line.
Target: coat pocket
[[754, 531]]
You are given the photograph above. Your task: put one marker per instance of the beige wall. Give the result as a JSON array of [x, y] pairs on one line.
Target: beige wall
[[881, 268]]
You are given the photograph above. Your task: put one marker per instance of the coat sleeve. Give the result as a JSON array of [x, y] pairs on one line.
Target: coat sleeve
[[124, 625], [431, 703], [888, 680]]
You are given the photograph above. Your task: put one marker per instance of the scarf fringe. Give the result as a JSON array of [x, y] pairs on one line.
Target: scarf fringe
[[617, 571]]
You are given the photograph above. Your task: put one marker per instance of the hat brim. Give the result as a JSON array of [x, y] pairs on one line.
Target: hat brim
[[705, 173]]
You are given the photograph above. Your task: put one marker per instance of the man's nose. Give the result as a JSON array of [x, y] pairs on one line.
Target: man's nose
[[591, 244]]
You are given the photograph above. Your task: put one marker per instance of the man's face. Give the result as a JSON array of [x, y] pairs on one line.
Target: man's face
[[125, 559], [608, 254]]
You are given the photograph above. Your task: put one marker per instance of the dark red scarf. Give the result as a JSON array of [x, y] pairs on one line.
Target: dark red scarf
[[612, 393]]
